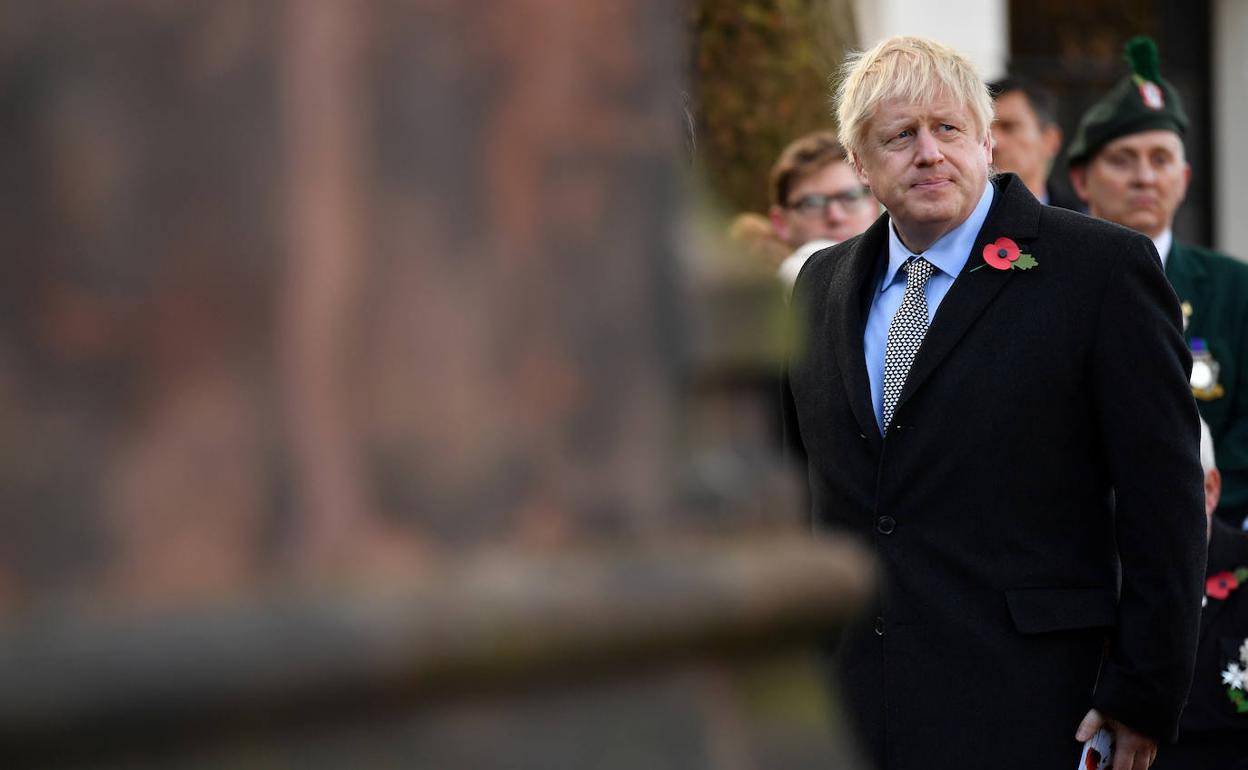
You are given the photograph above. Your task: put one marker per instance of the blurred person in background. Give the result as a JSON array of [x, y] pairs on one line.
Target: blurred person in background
[[817, 199], [941, 405], [1128, 162], [754, 234], [1213, 734], [1026, 138]]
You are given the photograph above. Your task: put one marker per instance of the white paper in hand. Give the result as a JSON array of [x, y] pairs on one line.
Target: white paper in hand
[[1098, 751]]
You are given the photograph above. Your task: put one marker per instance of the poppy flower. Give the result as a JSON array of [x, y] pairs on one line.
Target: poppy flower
[[1001, 253], [1219, 586]]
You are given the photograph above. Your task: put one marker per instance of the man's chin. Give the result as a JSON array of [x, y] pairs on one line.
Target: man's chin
[[1143, 223], [937, 216]]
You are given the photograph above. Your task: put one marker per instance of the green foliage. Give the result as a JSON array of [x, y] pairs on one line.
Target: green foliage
[[1025, 262], [1239, 698], [762, 74]]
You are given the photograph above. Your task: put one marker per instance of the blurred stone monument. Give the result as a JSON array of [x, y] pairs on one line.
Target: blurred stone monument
[[345, 405]]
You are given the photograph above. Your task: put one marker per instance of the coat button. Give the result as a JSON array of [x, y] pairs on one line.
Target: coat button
[[879, 626], [885, 525]]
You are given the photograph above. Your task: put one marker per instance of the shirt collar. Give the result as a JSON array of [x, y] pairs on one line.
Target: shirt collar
[[950, 251], [1163, 242]]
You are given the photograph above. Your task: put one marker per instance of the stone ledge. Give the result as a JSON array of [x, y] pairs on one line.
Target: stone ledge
[[498, 623]]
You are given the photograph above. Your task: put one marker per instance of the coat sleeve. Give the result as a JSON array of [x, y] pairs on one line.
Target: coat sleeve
[[1150, 434]]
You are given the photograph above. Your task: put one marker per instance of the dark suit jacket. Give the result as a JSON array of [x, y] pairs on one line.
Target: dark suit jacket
[[1215, 286], [1036, 398], [1213, 734]]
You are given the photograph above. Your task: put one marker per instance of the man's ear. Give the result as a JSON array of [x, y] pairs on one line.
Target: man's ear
[[779, 223], [858, 169], [1079, 181]]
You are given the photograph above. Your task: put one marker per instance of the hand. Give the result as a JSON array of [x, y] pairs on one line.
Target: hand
[[1132, 750]]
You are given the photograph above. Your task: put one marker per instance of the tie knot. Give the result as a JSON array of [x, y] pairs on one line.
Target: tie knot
[[918, 271]]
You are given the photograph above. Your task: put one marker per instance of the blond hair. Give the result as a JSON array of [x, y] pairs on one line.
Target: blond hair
[[913, 69]]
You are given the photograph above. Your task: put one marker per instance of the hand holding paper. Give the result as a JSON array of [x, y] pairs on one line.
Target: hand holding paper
[[1106, 739]]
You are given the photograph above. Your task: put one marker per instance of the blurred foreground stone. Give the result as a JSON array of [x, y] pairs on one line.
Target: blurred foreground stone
[[683, 656], [364, 402]]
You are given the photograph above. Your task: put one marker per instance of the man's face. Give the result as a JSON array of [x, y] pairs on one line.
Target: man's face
[[1021, 144], [927, 163], [828, 204], [1137, 180]]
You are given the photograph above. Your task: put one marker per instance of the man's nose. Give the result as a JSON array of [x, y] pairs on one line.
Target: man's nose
[[834, 210], [1144, 172], [927, 149]]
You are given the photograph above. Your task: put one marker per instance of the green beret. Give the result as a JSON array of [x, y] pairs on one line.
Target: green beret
[[1142, 101]]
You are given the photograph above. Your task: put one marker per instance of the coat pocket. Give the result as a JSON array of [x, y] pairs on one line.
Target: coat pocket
[[1041, 610]]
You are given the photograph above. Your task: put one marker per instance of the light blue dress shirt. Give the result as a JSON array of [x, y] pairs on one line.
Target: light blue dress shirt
[[948, 255]]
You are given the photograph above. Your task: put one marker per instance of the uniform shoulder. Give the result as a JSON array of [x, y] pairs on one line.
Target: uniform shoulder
[[1222, 265]]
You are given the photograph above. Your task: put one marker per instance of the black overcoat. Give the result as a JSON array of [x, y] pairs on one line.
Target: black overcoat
[[1037, 502]]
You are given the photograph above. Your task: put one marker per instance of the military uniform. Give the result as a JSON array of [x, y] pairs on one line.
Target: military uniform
[[1213, 734], [1214, 291], [1212, 287]]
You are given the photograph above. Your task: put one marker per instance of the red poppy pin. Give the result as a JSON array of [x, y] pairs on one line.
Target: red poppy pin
[[1003, 254], [1219, 586]]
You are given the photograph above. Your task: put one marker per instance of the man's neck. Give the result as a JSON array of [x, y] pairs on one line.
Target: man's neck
[[919, 240]]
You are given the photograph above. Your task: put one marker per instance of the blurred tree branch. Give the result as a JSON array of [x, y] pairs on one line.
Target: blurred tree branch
[[762, 74]]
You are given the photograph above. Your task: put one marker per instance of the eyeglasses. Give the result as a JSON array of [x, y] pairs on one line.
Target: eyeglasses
[[816, 203]]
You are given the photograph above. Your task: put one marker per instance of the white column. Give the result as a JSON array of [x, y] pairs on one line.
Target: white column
[[1230, 116], [977, 28]]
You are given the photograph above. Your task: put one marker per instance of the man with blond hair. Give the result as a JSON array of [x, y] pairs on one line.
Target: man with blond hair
[[989, 398]]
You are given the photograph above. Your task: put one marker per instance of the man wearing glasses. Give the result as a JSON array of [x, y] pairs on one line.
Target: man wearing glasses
[[817, 199]]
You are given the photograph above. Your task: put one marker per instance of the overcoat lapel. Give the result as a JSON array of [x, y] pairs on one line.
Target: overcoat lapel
[[850, 301], [1015, 214]]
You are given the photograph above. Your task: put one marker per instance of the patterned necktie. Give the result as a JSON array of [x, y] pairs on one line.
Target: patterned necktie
[[905, 334]]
